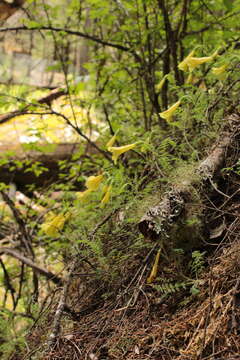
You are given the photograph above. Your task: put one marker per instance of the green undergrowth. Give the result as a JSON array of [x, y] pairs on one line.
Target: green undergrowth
[[121, 101]]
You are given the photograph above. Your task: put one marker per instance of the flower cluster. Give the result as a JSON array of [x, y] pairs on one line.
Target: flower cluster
[[189, 64], [93, 182]]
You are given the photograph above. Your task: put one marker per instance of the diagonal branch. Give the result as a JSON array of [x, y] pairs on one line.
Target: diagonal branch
[[25, 238], [48, 274], [72, 32], [60, 308], [53, 95]]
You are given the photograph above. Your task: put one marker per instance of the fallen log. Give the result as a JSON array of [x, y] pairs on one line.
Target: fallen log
[[161, 218], [16, 162], [8, 9]]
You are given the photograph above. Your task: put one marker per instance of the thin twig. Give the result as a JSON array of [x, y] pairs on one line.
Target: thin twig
[[70, 32], [101, 223]]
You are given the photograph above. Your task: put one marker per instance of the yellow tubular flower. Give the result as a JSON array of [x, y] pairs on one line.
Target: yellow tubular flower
[[183, 64], [107, 195], [54, 225], [111, 141], [220, 72], [194, 61], [168, 114], [153, 274], [190, 62], [117, 151], [93, 182]]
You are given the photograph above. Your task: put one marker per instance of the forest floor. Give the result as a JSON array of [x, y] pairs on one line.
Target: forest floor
[[191, 312]]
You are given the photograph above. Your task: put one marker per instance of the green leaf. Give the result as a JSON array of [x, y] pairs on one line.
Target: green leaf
[[33, 24], [194, 290]]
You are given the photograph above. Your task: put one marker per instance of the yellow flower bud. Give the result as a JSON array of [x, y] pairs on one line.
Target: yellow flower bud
[[190, 79], [153, 274], [111, 141], [107, 195], [168, 114], [159, 86], [220, 72], [202, 86]]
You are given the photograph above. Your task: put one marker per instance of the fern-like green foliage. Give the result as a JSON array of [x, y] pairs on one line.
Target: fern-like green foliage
[[170, 287], [198, 261]]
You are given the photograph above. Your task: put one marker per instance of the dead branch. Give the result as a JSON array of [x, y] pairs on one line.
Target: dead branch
[[48, 274], [25, 238], [60, 308], [47, 100], [72, 32], [158, 220], [101, 223]]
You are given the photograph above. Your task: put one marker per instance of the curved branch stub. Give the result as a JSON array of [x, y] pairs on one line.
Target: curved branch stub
[[159, 218]]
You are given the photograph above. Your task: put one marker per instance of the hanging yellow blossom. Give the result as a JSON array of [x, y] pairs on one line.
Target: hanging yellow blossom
[[93, 182], [190, 62], [183, 64], [117, 151], [190, 79], [153, 274], [111, 141], [168, 114], [220, 71], [193, 62], [55, 224], [107, 195]]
